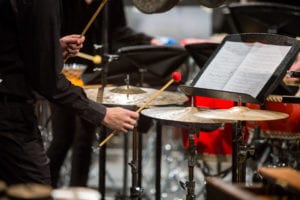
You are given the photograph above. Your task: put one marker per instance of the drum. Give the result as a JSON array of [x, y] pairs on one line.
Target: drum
[[288, 128], [216, 144]]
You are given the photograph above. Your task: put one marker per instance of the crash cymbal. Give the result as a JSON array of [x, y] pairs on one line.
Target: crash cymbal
[[181, 116], [113, 98], [240, 113]]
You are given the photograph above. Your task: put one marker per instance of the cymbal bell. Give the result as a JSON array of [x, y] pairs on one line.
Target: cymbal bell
[[181, 116], [241, 113], [114, 96], [128, 89]]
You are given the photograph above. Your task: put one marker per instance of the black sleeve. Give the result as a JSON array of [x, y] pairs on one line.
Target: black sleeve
[[44, 63]]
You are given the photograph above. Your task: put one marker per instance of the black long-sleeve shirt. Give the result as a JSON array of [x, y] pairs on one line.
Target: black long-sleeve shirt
[[31, 57]]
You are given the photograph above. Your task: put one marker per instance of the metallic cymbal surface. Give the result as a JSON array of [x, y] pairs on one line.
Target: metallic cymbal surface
[[181, 116], [241, 113], [127, 89], [111, 97]]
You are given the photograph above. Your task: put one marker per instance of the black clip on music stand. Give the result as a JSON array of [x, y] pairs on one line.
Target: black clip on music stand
[[206, 81]]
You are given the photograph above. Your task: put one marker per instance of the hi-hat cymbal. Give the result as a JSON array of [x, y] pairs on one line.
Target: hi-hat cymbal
[[181, 116], [112, 97], [241, 113]]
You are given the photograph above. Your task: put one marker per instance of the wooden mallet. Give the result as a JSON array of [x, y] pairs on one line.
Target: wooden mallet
[[90, 22], [176, 76], [95, 59]]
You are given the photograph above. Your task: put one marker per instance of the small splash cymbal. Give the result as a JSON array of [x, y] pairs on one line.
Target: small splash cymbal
[[241, 113]]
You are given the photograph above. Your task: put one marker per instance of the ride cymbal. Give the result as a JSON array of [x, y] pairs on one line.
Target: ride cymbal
[[241, 113], [181, 116]]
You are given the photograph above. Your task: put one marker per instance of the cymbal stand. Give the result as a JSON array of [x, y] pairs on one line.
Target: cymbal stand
[[240, 153], [135, 191], [190, 184]]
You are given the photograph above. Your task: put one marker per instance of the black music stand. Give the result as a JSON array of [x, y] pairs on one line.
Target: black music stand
[[262, 17], [200, 52], [154, 63], [207, 80], [144, 63]]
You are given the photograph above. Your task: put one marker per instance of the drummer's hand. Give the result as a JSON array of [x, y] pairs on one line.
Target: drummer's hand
[[120, 119], [71, 44]]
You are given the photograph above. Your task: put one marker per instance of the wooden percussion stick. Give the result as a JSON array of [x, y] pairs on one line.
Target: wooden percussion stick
[[176, 76], [90, 22], [93, 17]]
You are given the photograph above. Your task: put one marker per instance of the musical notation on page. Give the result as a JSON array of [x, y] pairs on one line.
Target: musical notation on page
[[242, 67]]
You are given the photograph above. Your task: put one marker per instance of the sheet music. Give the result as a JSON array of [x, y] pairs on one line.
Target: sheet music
[[242, 67]]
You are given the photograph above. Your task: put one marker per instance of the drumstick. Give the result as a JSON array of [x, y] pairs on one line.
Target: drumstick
[[96, 59], [90, 22], [176, 76], [93, 17]]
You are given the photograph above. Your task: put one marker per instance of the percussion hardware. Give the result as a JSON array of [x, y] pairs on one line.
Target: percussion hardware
[[240, 114], [135, 191], [176, 76], [190, 184], [238, 158], [184, 117]]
